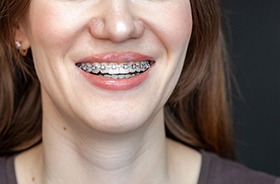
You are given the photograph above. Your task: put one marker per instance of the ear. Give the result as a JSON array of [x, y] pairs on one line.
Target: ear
[[22, 37]]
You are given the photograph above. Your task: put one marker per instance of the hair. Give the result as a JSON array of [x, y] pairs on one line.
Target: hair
[[197, 113]]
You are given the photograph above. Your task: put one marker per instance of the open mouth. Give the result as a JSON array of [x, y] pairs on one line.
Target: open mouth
[[115, 70]]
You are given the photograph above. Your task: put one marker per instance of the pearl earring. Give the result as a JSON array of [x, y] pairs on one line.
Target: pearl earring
[[18, 45]]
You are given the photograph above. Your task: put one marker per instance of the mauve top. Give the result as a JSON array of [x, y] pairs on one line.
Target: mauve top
[[214, 170]]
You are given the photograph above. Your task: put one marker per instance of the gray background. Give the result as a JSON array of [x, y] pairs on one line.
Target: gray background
[[254, 44]]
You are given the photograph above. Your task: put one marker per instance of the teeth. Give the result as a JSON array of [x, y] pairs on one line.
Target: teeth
[[114, 70], [132, 67], [95, 68], [104, 68], [127, 76]]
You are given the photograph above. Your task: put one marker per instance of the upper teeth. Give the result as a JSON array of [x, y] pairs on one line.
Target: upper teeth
[[114, 68]]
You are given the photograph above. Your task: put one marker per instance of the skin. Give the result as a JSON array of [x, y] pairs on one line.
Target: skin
[[92, 134]]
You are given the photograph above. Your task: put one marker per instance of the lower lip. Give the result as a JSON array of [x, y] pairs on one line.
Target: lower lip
[[115, 84]]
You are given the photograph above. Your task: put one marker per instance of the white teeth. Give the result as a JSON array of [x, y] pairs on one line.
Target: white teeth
[[104, 68], [95, 68], [124, 68], [132, 67], [114, 70], [119, 76]]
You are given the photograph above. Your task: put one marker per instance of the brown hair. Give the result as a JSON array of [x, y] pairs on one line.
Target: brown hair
[[20, 104], [196, 113]]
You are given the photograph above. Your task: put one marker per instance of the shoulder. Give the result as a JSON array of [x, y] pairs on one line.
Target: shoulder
[[7, 170], [217, 170]]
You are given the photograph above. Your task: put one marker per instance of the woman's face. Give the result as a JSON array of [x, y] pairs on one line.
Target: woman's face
[[108, 64]]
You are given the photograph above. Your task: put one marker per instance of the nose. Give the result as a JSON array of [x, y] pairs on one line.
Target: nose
[[116, 22]]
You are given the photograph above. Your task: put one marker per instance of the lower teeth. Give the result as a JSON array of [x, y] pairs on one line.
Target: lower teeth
[[127, 76]]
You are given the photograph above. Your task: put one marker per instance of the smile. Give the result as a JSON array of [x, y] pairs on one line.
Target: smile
[[116, 71]]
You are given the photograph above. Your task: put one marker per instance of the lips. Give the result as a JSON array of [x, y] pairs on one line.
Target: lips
[[116, 71]]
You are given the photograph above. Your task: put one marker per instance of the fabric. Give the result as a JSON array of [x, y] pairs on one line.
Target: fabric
[[7, 171], [214, 170]]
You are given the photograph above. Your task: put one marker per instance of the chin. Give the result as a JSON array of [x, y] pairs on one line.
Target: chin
[[119, 123]]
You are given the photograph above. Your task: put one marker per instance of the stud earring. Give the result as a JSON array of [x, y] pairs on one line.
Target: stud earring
[[18, 45]]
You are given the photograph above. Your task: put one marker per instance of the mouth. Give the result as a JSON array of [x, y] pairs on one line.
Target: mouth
[[125, 70]]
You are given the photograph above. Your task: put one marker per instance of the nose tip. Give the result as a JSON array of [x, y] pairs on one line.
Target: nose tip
[[116, 26], [124, 29]]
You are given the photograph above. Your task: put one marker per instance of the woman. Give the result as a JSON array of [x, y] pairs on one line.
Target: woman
[[98, 78]]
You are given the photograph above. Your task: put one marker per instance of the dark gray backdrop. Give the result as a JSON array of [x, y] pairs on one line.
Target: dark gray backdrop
[[254, 39]]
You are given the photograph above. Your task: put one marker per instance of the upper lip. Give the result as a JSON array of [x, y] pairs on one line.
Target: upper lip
[[116, 57]]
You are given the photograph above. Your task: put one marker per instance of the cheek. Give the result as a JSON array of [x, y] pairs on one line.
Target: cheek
[[175, 26], [52, 24]]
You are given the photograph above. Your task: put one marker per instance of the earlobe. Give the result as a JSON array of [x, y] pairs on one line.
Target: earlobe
[[22, 42]]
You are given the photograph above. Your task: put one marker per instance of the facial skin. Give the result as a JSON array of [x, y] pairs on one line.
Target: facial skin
[[62, 32], [106, 134]]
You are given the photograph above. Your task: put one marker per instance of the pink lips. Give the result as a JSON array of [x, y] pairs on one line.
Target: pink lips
[[115, 57]]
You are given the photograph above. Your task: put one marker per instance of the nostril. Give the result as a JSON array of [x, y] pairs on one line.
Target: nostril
[[96, 27], [97, 23], [139, 26]]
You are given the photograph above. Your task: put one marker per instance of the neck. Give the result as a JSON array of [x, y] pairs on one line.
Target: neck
[[105, 158]]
